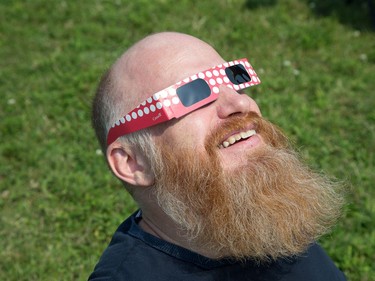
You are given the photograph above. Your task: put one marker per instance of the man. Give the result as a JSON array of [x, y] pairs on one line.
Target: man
[[221, 194]]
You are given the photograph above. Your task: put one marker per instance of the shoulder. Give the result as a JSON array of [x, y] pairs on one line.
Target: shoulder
[[315, 264], [118, 254], [130, 254]]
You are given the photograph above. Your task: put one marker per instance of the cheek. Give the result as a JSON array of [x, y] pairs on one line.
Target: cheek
[[187, 133]]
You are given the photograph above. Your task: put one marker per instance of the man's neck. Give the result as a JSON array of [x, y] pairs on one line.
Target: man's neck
[[159, 224]]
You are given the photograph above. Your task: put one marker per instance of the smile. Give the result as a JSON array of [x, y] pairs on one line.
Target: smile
[[236, 138]]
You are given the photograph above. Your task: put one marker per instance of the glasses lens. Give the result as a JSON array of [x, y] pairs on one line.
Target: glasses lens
[[237, 74], [193, 92]]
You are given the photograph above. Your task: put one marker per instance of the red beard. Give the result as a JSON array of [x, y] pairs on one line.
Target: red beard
[[272, 206]]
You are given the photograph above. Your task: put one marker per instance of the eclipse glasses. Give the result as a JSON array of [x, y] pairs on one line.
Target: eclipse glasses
[[185, 96]]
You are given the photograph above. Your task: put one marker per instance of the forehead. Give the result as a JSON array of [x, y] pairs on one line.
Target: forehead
[[169, 72]]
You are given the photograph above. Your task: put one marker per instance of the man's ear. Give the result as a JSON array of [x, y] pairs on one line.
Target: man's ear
[[129, 164]]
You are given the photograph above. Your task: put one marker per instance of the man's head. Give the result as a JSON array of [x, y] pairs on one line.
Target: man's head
[[150, 65], [226, 177]]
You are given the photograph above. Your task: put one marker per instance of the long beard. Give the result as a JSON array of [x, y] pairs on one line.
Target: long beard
[[271, 206]]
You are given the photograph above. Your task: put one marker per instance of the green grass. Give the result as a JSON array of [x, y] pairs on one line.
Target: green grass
[[60, 205]]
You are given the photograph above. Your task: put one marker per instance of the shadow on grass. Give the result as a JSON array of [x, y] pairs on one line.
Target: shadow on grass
[[359, 14]]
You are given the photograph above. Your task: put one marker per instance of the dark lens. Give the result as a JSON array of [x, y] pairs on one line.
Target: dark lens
[[193, 92], [237, 74]]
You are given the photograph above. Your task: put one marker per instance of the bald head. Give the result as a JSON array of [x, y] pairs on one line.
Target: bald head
[[160, 60], [155, 62]]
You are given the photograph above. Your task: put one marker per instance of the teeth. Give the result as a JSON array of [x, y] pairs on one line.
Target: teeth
[[232, 139], [243, 135]]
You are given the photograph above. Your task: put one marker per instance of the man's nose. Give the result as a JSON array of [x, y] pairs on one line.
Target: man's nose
[[230, 102]]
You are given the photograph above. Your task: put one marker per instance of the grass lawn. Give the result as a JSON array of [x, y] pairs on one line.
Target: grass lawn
[[60, 205]]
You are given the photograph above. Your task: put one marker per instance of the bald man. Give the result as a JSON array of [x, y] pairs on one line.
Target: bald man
[[221, 193]]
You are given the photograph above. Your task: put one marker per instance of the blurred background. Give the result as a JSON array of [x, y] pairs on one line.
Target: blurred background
[[59, 204]]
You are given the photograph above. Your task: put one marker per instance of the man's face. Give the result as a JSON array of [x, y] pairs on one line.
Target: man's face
[[229, 180], [191, 131]]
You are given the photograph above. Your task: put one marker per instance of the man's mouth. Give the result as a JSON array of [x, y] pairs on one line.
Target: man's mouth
[[237, 138]]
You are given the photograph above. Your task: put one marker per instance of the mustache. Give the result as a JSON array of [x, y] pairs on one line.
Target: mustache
[[270, 133]]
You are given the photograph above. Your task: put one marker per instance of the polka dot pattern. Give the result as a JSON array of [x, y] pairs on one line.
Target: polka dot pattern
[[165, 105]]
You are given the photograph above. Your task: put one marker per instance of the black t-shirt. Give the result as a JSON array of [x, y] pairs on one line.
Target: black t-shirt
[[136, 255]]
